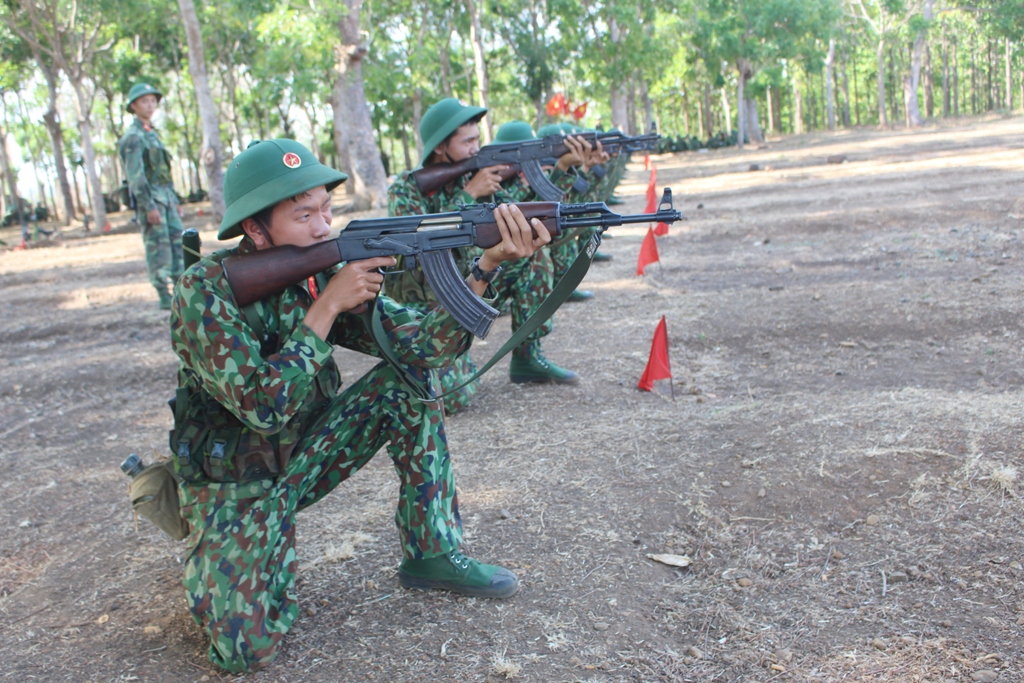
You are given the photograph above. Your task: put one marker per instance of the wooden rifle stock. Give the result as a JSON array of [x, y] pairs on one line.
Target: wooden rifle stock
[[263, 273]]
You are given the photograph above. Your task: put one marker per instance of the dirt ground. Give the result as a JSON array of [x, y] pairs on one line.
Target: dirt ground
[[840, 461]]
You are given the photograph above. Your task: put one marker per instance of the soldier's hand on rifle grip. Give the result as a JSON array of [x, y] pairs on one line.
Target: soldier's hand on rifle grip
[[348, 291], [597, 156], [520, 237], [485, 182], [579, 150], [153, 217]]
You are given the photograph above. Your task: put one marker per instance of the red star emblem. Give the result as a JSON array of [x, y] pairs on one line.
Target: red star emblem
[[292, 160]]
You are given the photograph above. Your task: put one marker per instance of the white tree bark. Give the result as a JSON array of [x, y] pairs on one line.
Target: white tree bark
[[353, 128], [741, 114], [480, 66], [83, 105], [883, 119], [1009, 81], [910, 84], [830, 63], [210, 151], [53, 128]]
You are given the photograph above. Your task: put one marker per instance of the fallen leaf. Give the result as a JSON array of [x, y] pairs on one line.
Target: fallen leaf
[[672, 560], [104, 619]]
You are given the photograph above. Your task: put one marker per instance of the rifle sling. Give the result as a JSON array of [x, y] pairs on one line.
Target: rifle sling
[[561, 291]]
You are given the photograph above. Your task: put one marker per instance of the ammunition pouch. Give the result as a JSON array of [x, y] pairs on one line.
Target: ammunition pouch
[[210, 444], [154, 496]]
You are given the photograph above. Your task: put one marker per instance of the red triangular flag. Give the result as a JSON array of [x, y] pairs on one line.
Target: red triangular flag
[[647, 160], [652, 192], [648, 252], [661, 229], [658, 366]]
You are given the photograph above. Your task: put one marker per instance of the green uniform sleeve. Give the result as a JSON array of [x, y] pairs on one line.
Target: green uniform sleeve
[[132, 151], [212, 340]]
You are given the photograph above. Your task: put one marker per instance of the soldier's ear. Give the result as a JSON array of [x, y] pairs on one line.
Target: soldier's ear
[[256, 233]]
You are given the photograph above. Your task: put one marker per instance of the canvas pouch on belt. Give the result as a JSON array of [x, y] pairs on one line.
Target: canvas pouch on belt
[[154, 496]]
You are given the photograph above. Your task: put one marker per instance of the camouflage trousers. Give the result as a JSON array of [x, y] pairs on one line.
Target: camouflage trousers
[[163, 247], [240, 572], [524, 285], [563, 253]]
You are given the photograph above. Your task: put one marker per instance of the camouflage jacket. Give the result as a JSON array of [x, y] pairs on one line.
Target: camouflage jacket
[[274, 392], [147, 166]]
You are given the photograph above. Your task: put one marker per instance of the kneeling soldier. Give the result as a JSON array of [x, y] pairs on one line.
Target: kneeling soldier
[[261, 431]]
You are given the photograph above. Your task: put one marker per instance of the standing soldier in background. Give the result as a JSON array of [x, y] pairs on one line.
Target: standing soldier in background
[[147, 166]]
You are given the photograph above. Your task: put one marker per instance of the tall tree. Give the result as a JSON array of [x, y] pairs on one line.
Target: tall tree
[[353, 129], [210, 151], [70, 36]]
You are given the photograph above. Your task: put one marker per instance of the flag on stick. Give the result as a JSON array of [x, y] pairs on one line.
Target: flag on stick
[[648, 252], [658, 366], [647, 160], [652, 192], [661, 229]]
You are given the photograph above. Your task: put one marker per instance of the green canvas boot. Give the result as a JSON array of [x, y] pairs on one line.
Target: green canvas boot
[[600, 257], [460, 574], [580, 295], [165, 299], [531, 366]]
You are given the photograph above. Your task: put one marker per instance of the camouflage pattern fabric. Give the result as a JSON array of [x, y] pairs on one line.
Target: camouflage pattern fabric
[[147, 167], [241, 562], [524, 284]]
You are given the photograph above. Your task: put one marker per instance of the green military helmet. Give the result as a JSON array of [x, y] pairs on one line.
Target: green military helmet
[[443, 119], [514, 131], [140, 89], [266, 173], [558, 129]]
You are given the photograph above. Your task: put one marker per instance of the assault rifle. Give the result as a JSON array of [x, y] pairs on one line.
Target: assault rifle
[[528, 156], [429, 238]]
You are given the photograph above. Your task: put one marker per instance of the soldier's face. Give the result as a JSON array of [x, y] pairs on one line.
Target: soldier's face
[[302, 221], [464, 143], [145, 106]]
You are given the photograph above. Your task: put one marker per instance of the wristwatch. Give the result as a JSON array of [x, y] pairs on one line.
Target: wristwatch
[[483, 275]]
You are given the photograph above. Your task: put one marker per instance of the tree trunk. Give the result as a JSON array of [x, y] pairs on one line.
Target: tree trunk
[[798, 105], [99, 211], [631, 106], [929, 83], [911, 84], [210, 150], [645, 96], [706, 102], [405, 148], [956, 81], [741, 98], [350, 109], [480, 66], [945, 72], [12, 182], [53, 128], [846, 84], [726, 112], [620, 106], [751, 121], [1009, 81], [445, 58], [856, 91], [830, 62], [883, 121], [417, 115], [771, 110]]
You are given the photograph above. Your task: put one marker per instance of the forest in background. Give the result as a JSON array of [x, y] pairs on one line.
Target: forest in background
[[351, 78]]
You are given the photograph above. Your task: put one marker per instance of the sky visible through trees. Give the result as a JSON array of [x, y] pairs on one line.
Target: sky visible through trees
[[351, 78]]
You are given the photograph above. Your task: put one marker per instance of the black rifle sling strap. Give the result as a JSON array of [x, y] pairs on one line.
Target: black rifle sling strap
[[572, 278]]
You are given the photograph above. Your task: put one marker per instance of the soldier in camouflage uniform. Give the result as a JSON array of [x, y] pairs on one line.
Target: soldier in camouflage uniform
[[261, 432], [147, 166], [563, 249], [450, 133]]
